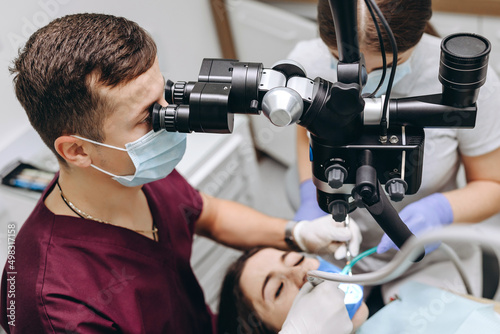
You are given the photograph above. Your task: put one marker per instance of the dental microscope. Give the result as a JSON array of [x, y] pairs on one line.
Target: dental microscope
[[365, 151]]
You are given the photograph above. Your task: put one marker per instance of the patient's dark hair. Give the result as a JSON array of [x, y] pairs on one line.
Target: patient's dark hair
[[236, 314]]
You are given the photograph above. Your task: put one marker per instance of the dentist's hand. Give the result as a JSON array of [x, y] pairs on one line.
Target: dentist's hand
[[429, 213], [309, 208], [324, 236], [318, 310]]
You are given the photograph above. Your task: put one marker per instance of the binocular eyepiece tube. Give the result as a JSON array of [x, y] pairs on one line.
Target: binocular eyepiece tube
[[463, 67], [226, 87]]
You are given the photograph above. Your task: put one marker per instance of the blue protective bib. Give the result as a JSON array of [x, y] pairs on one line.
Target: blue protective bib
[[429, 310]]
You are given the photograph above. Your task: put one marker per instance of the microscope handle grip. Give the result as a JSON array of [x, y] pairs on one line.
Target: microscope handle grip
[[388, 219]]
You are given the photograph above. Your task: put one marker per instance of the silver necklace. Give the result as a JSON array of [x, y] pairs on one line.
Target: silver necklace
[[84, 215]]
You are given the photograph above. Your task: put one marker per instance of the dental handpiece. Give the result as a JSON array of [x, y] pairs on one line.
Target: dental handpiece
[[348, 255], [315, 280], [353, 293]]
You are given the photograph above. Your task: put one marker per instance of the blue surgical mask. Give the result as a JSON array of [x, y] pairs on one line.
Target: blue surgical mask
[[353, 292], [374, 77], [154, 155]]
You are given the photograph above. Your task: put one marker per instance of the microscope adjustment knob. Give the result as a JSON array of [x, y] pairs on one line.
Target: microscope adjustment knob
[[336, 176], [178, 92], [339, 210], [283, 106], [289, 68], [396, 188], [169, 119]]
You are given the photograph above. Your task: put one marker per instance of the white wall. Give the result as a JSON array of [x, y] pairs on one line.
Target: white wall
[[183, 30]]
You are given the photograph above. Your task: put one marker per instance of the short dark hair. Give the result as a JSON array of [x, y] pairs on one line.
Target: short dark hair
[[236, 313], [408, 20], [61, 65]]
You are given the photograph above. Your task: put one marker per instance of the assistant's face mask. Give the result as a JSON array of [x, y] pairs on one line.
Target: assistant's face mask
[[374, 77], [154, 155]]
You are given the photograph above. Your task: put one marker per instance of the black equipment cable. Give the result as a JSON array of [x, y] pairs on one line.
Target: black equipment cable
[[383, 120], [382, 51]]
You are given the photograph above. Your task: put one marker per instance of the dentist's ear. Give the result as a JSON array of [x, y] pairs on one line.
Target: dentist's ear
[[73, 150]]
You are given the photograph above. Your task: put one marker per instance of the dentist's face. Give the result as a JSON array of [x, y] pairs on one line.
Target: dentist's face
[[130, 118], [271, 279]]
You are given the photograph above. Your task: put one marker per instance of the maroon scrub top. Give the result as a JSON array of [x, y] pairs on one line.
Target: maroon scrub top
[[80, 276]]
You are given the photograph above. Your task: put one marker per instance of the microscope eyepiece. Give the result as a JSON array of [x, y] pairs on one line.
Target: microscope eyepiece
[[171, 118], [169, 91], [463, 67]]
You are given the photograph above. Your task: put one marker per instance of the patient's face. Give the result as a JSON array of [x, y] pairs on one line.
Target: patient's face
[[271, 279]]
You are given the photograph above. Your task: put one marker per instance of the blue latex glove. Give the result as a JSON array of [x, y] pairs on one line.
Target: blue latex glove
[[309, 208], [431, 212]]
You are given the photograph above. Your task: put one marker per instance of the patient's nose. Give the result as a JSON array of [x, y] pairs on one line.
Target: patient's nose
[[298, 276]]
